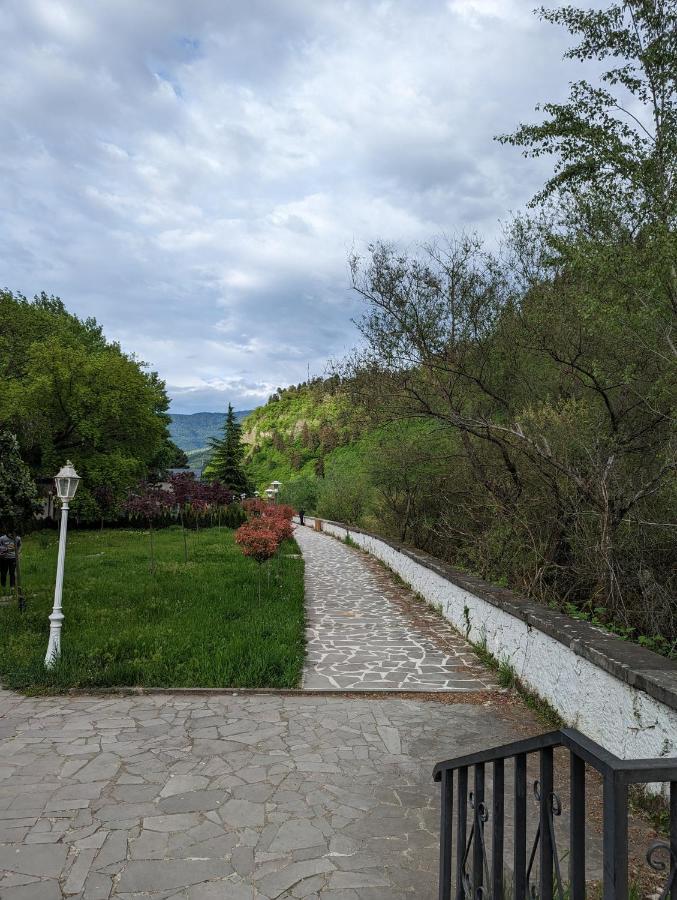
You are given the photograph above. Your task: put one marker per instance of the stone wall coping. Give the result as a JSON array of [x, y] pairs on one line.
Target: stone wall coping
[[640, 668]]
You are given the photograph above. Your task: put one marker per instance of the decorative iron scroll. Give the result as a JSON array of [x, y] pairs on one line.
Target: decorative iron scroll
[[479, 819], [658, 865], [554, 809]]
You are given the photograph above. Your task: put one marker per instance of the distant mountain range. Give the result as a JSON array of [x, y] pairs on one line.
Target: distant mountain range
[[192, 432]]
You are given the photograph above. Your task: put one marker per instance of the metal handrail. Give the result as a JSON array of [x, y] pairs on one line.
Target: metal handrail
[[528, 745], [633, 771], [475, 875]]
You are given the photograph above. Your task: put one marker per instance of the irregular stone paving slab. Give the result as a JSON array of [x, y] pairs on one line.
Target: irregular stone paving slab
[[366, 632], [321, 797], [198, 797]]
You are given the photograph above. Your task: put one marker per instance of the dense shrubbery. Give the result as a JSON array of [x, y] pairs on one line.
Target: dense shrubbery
[[267, 526], [18, 495], [257, 539]]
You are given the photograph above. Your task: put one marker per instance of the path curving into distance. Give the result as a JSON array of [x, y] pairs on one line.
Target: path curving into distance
[[367, 632]]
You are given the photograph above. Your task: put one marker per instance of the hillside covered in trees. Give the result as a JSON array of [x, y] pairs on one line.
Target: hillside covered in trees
[[67, 392], [512, 408], [290, 437], [192, 431]]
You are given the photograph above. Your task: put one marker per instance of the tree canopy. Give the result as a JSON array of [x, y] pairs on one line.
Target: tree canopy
[[67, 391], [18, 494]]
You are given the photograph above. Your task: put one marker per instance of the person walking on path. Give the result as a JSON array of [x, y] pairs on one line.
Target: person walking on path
[[9, 547], [302, 513]]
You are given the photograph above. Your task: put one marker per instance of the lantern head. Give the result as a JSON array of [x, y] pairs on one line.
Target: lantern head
[[66, 482]]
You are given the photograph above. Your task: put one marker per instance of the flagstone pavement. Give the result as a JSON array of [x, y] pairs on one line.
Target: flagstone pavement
[[367, 632], [201, 797]]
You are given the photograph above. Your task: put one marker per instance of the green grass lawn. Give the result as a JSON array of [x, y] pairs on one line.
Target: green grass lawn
[[195, 624]]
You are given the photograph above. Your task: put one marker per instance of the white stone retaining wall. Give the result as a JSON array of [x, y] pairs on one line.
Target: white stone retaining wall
[[625, 720]]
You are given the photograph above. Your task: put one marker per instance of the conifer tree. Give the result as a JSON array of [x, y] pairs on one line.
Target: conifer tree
[[227, 455]]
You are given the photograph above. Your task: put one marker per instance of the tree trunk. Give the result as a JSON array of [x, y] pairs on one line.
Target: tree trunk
[[405, 523], [20, 598], [152, 547], [185, 541], [608, 579]]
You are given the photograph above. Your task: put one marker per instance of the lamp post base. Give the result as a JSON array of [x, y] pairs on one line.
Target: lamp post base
[[54, 646]]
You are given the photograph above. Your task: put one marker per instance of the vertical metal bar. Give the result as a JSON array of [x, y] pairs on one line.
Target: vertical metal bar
[[461, 829], [673, 835], [520, 848], [497, 832], [477, 860], [577, 828], [446, 820], [547, 788], [615, 837]]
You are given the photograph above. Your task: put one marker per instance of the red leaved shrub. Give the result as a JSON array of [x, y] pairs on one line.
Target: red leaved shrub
[[257, 542], [278, 511], [268, 524], [282, 527], [254, 508]]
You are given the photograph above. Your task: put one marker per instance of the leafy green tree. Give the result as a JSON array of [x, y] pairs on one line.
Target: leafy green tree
[[18, 494], [69, 392], [614, 186], [618, 138], [178, 457], [343, 497], [226, 463], [301, 493], [555, 366], [604, 306]]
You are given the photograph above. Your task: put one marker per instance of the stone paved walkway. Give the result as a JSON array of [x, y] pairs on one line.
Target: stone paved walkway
[[230, 797], [367, 632]]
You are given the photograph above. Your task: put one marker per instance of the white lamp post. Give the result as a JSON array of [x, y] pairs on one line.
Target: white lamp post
[[66, 485], [276, 485]]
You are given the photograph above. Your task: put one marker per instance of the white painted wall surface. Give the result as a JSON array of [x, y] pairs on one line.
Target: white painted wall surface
[[626, 721]]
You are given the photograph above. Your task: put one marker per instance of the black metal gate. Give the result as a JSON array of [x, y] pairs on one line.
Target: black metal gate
[[472, 863]]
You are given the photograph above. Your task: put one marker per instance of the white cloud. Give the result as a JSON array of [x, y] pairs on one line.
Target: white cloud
[[194, 174]]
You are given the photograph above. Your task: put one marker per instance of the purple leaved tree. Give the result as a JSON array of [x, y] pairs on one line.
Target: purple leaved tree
[[150, 503], [183, 487], [221, 497]]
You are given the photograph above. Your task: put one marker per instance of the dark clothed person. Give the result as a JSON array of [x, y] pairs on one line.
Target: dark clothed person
[[302, 513], [8, 550]]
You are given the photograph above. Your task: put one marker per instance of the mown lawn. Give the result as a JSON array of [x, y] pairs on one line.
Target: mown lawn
[[195, 624]]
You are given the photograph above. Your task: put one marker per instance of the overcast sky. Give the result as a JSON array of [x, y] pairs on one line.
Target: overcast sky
[[193, 173]]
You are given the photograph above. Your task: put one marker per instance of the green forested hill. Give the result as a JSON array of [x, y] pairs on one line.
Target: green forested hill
[[292, 436], [192, 431], [333, 460]]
